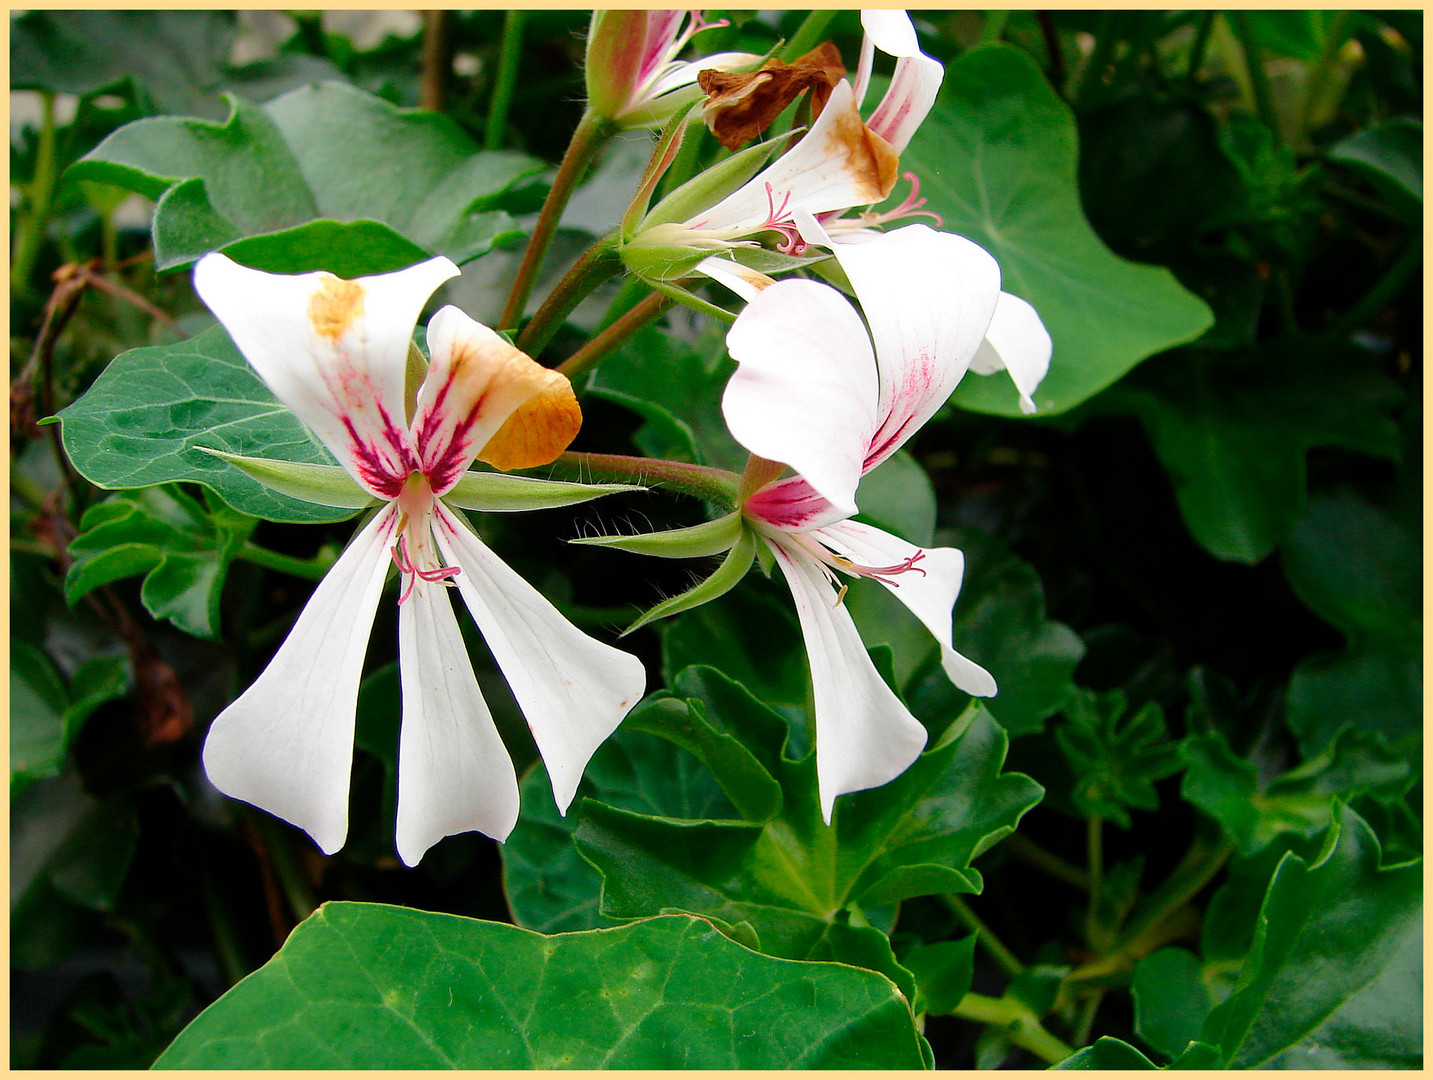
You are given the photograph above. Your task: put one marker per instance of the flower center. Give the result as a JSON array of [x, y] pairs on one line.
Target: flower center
[[829, 562], [415, 553]]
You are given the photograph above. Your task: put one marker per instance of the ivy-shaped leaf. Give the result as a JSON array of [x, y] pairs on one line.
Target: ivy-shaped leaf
[[46, 715], [182, 550], [1116, 758], [997, 159], [271, 183], [368, 986]]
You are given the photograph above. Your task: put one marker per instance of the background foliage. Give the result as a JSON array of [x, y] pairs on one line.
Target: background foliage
[[1186, 831]]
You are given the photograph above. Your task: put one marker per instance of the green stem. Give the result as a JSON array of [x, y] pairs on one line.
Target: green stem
[[700, 481], [807, 35], [993, 945], [642, 314], [591, 130], [1258, 77], [1316, 110], [993, 26], [1086, 1022], [301, 900], [1094, 848], [1201, 45], [597, 264], [509, 57], [309, 569], [226, 935], [42, 191], [1384, 290], [1028, 851], [1018, 1023]]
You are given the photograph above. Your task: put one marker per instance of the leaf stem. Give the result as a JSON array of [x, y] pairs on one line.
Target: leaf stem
[[42, 189], [1200, 46], [309, 569], [591, 130], [700, 481], [509, 58], [597, 264], [1258, 77], [1094, 851], [1017, 1022], [993, 945], [1026, 850], [437, 58], [226, 935], [642, 314]]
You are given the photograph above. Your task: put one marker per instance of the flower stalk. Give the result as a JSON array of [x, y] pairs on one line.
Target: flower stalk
[[642, 314], [596, 265]]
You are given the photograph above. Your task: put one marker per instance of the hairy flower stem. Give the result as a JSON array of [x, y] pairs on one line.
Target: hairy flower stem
[[992, 944], [509, 56], [1016, 1022], [642, 314], [700, 481], [591, 131], [597, 264]]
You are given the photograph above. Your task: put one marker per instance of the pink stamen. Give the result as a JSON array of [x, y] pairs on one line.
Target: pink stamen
[[887, 572], [792, 244], [911, 207], [405, 565]]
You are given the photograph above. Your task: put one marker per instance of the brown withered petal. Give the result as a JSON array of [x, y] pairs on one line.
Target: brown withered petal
[[741, 105]]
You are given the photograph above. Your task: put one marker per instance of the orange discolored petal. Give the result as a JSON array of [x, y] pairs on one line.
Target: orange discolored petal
[[539, 429], [871, 161], [334, 306], [740, 106]]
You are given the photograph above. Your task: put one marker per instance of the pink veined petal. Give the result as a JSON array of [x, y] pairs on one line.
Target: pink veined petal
[[333, 351], [865, 737], [826, 170], [804, 392], [572, 689], [928, 298], [286, 743], [792, 505], [685, 74], [928, 590], [1018, 342], [659, 37], [454, 773], [864, 66], [908, 100]]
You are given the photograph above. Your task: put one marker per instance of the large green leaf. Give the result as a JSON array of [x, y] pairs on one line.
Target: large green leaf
[[147, 417], [799, 886], [46, 715], [997, 160], [1171, 999], [367, 986], [1232, 429], [1334, 978], [411, 182]]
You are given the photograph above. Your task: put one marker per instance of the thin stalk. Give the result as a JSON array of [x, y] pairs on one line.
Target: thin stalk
[[309, 569], [1316, 110], [509, 57], [993, 945], [226, 935], [1028, 851], [301, 900], [42, 191], [1383, 290], [1258, 77], [1094, 852], [437, 58], [1086, 1023], [642, 314], [1200, 46], [701, 481], [993, 26], [591, 130], [596, 265], [1018, 1023], [807, 35]]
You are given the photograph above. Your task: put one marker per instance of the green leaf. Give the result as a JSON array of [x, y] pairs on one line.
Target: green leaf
[[676, 387], [1232, 429], [1116, 759], [1107, 1053], [1171, 1001], [999, 622], [277, 179], [153, 412], [1376, 686], [45, 715], [1334, 977], [793, 879], [897, 495], [997, 160], [183, 552], [1390, 155], [1301, 801], [942, 972], [370, 986]]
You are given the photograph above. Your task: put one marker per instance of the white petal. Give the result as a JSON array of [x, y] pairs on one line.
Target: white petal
[[864, 735], [572, 689], [333, 351], [742, 280], [928, 298], [1018, 342], [829, 169], [805, 390], [454, 774], [928, 590], [286, 743], [908, 100]]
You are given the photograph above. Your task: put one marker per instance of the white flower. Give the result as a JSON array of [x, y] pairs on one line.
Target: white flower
[[336, 353]]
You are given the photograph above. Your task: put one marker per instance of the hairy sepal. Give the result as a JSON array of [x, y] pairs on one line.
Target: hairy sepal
[[733, 568], [692, 542], [326, 485], [503, 493]]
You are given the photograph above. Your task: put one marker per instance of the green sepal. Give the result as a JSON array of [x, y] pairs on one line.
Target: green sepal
[[661, 160], [664, 257], [690, 299], [765, 559], [504, 493], [732, 570], [712, 185], [692, 542], [327, 485]]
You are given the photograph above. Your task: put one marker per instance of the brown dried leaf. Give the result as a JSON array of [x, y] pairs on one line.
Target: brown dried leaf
[[741, 105]]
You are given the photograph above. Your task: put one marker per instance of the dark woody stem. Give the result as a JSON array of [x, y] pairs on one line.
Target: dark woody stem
[[642, 314], [590, 133], [700, 481]]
